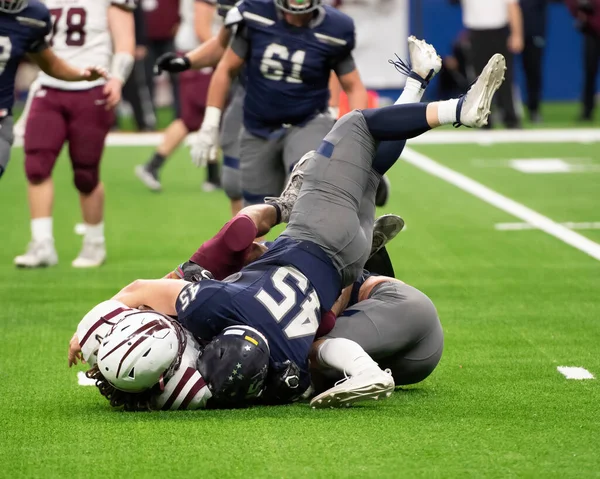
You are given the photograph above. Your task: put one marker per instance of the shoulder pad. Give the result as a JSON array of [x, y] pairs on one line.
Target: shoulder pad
[[125, 4]]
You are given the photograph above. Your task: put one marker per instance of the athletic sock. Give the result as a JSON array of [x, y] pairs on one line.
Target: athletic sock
[[412, 93], [397, 122], [41, 229], [345, 355], [447, 114], [94, 233], [212, 173], [156, 162]]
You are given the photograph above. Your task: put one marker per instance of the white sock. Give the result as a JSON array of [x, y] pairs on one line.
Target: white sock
[[412, 93], [94, 233], [345, 356], [447, 112], [41, 229]]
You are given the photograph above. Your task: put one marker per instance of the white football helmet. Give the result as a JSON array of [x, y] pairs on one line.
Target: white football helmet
[[140, 351]]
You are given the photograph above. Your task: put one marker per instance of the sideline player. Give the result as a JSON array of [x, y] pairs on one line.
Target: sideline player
[[195, 29], [80, 113], [23, 27], [288, 49], [322, 250]]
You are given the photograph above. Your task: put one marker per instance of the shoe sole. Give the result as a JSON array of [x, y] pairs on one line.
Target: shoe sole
[[422, 45], [28, 266], [384, 223], [95, 265], [493, 76], [336, 399]]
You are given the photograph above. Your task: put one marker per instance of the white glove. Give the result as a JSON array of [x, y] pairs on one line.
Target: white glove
[[205, 143]]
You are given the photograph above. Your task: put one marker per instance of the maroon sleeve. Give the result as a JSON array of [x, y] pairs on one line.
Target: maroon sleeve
[[162, 21], [226, 252]]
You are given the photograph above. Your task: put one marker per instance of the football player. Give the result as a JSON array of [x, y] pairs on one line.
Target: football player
[[195, 29], [23, 28], [80, 114], [322, 251]]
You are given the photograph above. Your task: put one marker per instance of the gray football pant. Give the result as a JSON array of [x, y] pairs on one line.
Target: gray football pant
[[231, 128], [266, 163], [336, 206], [398, 326], [6, 140]]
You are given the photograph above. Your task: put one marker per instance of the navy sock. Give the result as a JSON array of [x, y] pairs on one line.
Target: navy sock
[[386, 155], [397, 122]]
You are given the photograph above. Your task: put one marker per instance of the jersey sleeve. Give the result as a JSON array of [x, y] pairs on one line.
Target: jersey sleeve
[[125, 4], [38, 41], [235, 15], [240, 43]]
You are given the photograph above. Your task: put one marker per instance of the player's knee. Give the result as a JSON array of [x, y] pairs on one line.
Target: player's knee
[[86, 179], [38, 166], [231, 181]]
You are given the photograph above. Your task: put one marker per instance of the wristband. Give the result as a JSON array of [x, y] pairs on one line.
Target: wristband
[[121, 66]]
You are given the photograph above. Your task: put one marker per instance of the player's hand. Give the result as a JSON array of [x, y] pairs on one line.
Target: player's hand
[[171, 62], [75, 351], [94, 73], [515, 44], [112, 91], [204, 145]]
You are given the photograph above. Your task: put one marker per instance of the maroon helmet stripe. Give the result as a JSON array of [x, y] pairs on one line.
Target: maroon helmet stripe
[[103, 319], [189, 372], [136, 344], [143, 328], [195, 388]]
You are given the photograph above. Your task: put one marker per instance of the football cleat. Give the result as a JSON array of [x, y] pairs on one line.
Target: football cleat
[[38, 255], [424, 60], [149, 178], [473, 107], [288, 197], [383, 192], [92, 255], [370, 384], [385, 229]]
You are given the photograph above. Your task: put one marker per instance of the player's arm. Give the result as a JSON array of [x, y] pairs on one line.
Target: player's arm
[[335, 89], [122, 29], [203, 18], [160, 294], [54, 66], [354, 88]]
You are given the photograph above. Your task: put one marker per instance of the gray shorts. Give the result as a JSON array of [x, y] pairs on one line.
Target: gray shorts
[[230, 143], [399, 327], [6, 140], [266, 163], [336, 206]]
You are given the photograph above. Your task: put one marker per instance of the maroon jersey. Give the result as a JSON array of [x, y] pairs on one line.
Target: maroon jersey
[[162, 18]]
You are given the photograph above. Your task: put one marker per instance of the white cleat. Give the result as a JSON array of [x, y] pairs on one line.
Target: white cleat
[[424, 60], [474, 107], [39, 254], [146, 176], [92, 255], [288, 197], [385, 229], [370, 384]]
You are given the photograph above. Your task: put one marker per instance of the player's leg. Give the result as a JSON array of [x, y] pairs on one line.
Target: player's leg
[[6, 141], [88, 126], [45, 134], [261, 167], [299, 140], [231, 177], [398, 326]]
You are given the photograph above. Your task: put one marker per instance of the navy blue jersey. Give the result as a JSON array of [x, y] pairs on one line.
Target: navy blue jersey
[[20, 33], [288, 67], [282, 295]]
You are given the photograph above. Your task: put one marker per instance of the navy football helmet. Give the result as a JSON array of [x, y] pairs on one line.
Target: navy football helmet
[[235, 366], [12, 6], [298, 7]]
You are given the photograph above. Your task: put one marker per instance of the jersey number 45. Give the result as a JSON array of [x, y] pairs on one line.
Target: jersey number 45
[[306, 321]]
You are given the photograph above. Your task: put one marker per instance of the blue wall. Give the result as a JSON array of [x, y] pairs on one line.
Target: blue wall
[[439, 22]]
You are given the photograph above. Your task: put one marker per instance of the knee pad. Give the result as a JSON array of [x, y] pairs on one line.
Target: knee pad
[[86, 179], [39, 165], [231, 179]]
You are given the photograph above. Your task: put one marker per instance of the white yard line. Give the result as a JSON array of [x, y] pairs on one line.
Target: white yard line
[[503, 203], [572, 225], [443, 137], [571, 372]]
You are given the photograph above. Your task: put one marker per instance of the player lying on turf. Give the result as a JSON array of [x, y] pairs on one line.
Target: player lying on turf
[[395, 322], [280, 297]]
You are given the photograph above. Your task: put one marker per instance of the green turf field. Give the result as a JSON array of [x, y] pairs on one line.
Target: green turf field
[[514, 306]]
